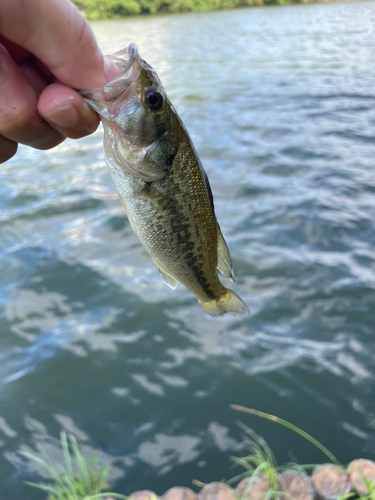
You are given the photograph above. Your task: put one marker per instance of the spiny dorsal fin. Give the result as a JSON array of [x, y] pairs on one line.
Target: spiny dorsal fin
[[224, 263], [168, 278]]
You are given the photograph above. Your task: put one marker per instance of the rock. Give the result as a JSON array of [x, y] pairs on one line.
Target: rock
[[330, 482], [143, 495], [179, 493], [252, 488], [359, 469], [216, 491], [296, 485]]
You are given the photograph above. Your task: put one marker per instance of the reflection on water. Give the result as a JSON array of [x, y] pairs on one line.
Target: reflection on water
[[280, 104]]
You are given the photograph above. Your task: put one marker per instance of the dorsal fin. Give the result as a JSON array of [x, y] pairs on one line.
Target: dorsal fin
[[224, 263]]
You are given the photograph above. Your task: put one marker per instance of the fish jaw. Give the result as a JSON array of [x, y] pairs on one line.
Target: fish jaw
[[118, 103], [120, 92]]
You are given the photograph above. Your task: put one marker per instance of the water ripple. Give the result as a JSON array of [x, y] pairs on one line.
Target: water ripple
[[281, 107]]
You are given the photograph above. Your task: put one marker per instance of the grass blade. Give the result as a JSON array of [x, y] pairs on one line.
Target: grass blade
[[107, 494], [290, 426], [65, 448], [241, 461], [238, 478], [44, 487], [51, 469]]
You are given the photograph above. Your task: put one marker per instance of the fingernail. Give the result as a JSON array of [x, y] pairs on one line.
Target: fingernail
[[66, 117], [4, 54], [3, 49], [110, 69]]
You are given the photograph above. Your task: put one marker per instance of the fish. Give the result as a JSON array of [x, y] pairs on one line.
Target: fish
[[162, 184]]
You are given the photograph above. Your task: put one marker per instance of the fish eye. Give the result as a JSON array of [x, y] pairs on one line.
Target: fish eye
[[153, 99]]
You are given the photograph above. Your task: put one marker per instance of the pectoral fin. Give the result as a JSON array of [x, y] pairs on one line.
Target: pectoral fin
[[155, 199], [126, 211], [224, 263], [168, 278]]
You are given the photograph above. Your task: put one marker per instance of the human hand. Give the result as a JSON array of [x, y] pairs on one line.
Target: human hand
[[47, 49]]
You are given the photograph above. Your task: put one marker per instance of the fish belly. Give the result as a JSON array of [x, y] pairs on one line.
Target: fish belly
[[179, 243], [179, 231]]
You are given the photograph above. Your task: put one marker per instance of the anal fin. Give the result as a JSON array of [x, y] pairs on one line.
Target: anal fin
[[170, 281], [224, 263]]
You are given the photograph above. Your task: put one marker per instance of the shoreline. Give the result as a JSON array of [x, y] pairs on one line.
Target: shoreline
[[326, 482], [97, 10]]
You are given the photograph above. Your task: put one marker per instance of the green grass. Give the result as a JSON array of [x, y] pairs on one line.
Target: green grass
[[290, 426], [262, 463], [82, 478], [370, 488]]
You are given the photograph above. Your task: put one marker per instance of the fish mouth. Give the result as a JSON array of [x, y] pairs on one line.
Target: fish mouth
[[124, 84]]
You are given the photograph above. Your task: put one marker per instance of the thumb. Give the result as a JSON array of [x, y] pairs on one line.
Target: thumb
[[56, 33]]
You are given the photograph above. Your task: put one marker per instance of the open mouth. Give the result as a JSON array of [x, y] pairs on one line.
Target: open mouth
[[124, 84]]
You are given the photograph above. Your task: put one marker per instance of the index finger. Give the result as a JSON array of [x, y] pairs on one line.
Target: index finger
[[56, 33]]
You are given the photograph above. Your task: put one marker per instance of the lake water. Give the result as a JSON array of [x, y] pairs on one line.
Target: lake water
[[280, 103]]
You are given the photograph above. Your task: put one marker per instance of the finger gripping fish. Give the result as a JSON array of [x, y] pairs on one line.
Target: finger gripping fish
[[162, 184]]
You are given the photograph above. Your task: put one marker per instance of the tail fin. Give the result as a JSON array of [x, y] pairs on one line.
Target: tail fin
[[228, 303]]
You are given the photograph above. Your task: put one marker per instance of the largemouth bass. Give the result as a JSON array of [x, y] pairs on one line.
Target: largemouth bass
[[162, 184]]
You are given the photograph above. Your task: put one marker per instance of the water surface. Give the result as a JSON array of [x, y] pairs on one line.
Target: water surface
[[280, 103]]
